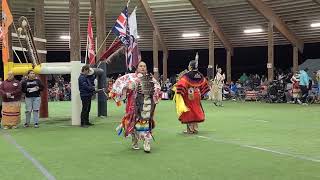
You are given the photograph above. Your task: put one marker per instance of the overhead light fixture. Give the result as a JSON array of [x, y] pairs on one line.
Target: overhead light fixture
[[65, 37], [138, 37], [190, 35], [315, 25], [253, 30]]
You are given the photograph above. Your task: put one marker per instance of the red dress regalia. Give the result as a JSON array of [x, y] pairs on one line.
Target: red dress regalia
[[192, 86]]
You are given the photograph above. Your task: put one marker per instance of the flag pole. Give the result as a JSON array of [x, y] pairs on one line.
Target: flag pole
[[96, 45], [99, 61], [127, 48], [113, 42], [85, 59], [87, 45], [103, 43]]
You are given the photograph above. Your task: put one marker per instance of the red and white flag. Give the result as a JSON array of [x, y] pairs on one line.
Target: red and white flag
[[91, 49], [133, 53]]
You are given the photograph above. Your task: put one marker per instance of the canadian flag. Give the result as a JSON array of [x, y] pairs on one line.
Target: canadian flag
[[91, 49]]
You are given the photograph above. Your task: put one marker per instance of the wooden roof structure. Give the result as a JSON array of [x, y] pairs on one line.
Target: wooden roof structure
[[175, 17]]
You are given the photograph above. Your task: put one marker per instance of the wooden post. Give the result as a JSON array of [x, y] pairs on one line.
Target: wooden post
[[210, 71], [228, 66], [151, 18], [101, 26], [75, 46], [295, 59], [75, 58], [101, 35], [155, 55], [270, 64], [93, 9], [39, 31], [165, 65], [10, 42]]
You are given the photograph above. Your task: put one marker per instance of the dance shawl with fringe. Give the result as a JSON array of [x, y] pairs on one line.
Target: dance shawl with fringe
[[126, 88]]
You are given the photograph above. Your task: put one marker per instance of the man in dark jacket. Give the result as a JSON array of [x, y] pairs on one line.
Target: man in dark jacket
[[87, 90], [32, 88]]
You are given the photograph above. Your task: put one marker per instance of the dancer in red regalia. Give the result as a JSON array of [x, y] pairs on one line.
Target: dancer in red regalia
[[190, 89]]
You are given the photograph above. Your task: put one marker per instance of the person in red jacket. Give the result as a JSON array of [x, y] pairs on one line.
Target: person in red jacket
[[10, 91]]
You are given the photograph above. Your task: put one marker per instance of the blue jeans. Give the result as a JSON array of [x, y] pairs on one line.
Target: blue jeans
[[32, 105]]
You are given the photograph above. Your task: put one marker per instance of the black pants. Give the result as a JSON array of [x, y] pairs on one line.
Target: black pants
[[304, 92], [86, 106]]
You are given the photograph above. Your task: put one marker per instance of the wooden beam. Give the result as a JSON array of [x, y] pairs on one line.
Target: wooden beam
[[100, 26], [211, 21], [155, 55], [93, 8], [317, 2], [165, 65], [270, 15], [101, 34], [74, 31], [39, 31], [210, 71], [155, 26], [228, 66], [295, 62], [270, 64], [39, 28]]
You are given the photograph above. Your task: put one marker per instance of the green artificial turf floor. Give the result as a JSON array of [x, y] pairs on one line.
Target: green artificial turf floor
[[249, 141]]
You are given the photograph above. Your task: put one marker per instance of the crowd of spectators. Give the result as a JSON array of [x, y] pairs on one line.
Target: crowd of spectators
[[286, 87], [59, 89]]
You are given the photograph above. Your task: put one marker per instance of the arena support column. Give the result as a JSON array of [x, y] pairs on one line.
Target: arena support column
[[210, 70], [295, 62], [75, 49], [39, 31], [155, 55], [270, 64], [157, 38], [101, 35], [228, 66], [165, 65]]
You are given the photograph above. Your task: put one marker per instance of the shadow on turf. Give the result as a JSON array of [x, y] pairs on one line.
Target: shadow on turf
[[181, 133], [200, 133], [66, 121], [55, 121]]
